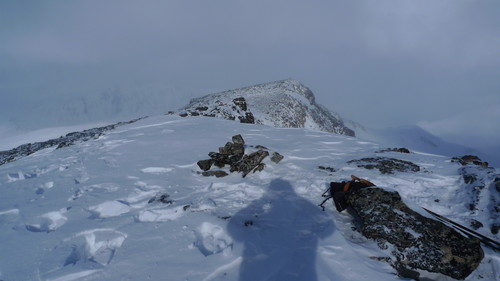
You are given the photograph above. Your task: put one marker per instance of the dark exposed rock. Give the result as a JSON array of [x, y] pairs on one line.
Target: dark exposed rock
[[400, 150], [259, 167], [202, 108], [469, 178], [237, 147], [249, 162], [470, 159], [495, 228], [233, 154], [238, 110], [238, 139], [241, 103], [475, 224], [276, 157], [386, 165], [481, 184], [261, 147], [216, 173], [329, 169], [205, 165], [414, 241], [219, 159], [248, 118], [67, 140], [161, 198]]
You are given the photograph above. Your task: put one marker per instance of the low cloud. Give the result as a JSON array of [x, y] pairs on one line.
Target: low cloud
[[383, 63], [478, 127]]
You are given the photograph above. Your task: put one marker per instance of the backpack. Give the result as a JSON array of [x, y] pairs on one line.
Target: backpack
[[339, 191]]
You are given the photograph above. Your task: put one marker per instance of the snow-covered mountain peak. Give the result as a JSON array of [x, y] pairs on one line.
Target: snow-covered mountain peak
[[283, 104]]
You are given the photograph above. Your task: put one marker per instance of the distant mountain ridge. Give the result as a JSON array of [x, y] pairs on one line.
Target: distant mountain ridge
[[283, 104], [109, 105]]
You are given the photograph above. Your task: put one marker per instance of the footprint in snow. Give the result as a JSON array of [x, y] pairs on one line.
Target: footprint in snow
[[109, 209], [86, 252], [12, 177], [161, 214], [104, 187], [212, 239], [48, 222], [9, 218]]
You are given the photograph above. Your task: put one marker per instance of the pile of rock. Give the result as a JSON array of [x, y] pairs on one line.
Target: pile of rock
[[233, 155], [385, 165]]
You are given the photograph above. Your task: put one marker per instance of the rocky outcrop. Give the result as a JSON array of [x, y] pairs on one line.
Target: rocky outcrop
[[413, 241], [395, 149], [235, 110], [233, 155], [67, 140], [286, 104], [482, 184], [385, 165], [469, 159]]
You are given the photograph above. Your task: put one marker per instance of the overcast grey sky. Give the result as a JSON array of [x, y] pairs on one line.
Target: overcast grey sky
[[381, 63]]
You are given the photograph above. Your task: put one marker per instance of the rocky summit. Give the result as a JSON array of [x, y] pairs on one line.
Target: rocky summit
[[283, 104]]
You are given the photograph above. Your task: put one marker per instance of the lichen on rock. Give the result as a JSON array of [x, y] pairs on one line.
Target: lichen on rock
[[415, 242]]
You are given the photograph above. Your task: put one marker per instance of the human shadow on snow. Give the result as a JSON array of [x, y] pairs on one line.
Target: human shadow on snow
[[280, 232]]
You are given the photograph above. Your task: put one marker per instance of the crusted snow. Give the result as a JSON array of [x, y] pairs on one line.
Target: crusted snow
[[84, 212]]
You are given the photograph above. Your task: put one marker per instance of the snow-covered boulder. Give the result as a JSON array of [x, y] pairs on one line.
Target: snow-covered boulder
[[284, 104]]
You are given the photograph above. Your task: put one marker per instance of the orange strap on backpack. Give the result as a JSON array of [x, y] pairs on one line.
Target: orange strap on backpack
[[354, 179], [346, 186]]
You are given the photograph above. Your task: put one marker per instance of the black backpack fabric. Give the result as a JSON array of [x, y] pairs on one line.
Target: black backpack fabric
[[340, 190]]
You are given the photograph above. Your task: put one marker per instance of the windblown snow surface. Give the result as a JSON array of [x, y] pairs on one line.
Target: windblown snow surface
[[89, 211]]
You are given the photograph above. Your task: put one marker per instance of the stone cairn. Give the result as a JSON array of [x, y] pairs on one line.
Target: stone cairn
[[233, 154]]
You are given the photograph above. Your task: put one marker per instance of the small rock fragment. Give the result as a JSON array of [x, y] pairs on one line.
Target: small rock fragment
[[238, 139], [276, 157], [205, 164], [217, 174]]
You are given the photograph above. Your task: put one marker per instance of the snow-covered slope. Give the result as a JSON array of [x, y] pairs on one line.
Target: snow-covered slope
[[132, 205], [285, 104], [416, 138]]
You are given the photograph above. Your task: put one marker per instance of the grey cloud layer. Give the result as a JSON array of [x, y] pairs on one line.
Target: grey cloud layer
[[377, 62]]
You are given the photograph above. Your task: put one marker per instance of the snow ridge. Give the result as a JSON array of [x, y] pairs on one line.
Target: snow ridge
[[69, 139], [131, 205], [282, 104]]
